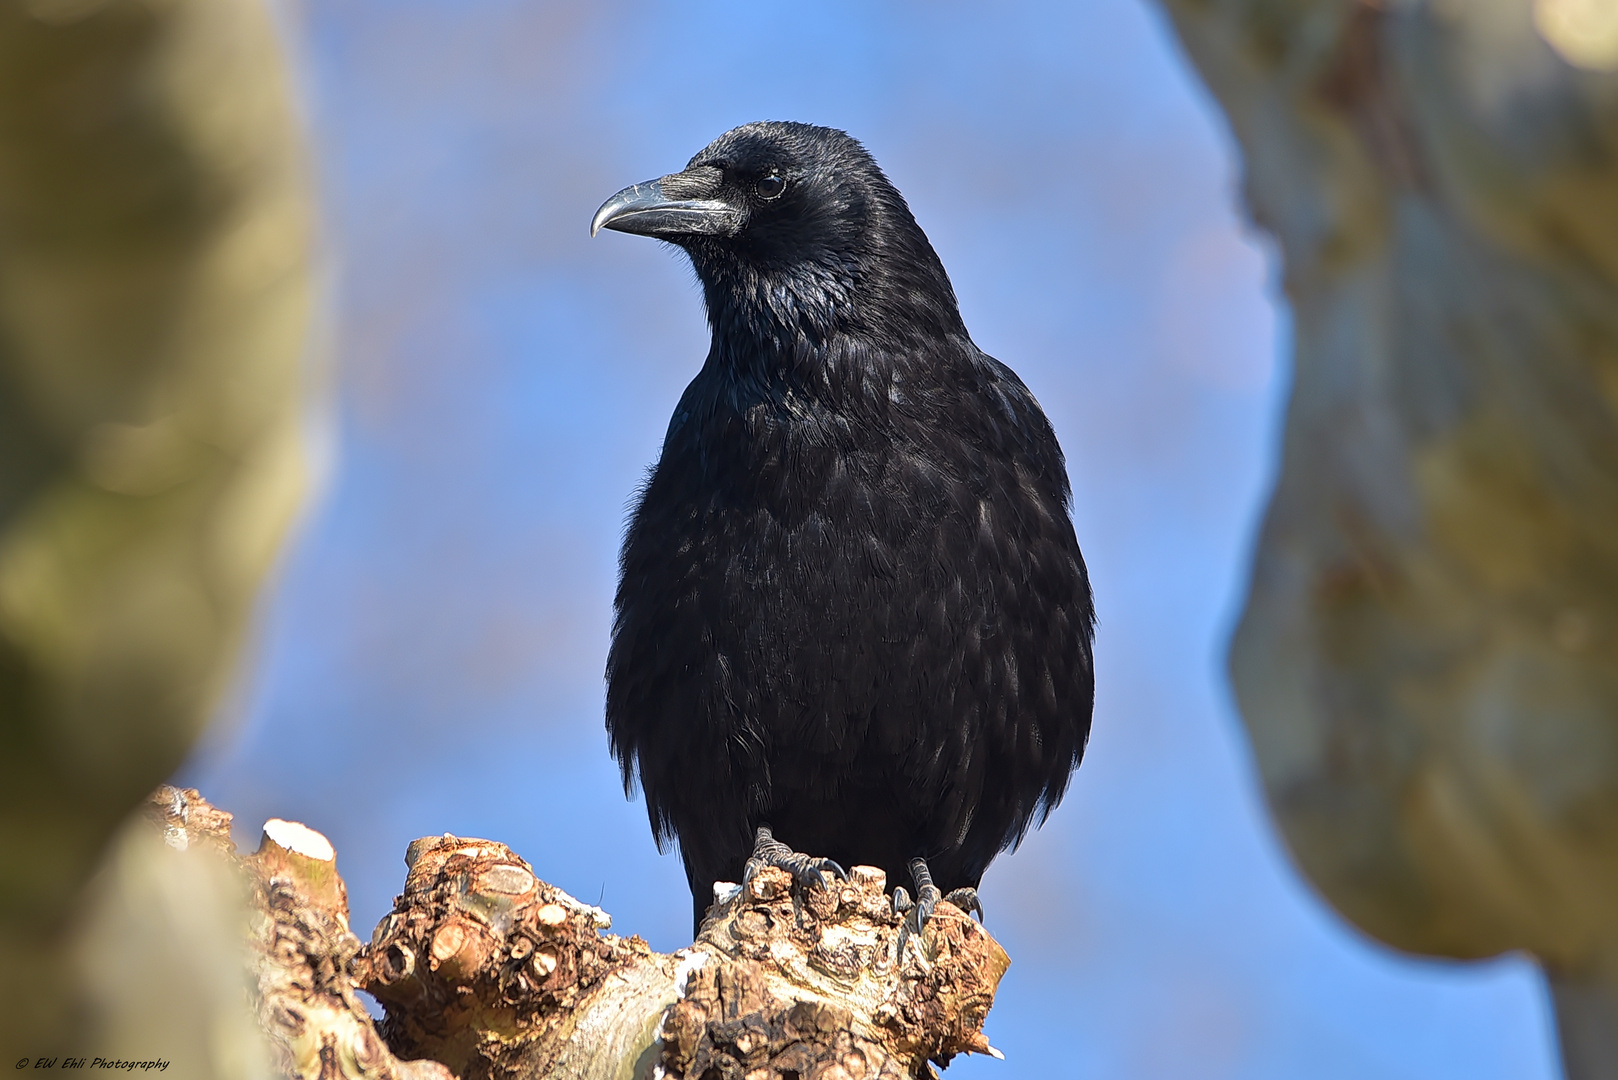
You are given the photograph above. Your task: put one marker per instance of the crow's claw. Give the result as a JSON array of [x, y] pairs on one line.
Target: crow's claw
[[967, 900], [805, 869], [917, 912], [927, 898]]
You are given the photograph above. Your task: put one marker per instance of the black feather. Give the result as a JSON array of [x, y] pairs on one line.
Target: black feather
[[851, 602]]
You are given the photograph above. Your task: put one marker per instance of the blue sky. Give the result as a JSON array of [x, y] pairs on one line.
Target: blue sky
[[429, 658]]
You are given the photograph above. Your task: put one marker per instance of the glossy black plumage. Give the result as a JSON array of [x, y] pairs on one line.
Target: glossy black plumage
[[851, 603]]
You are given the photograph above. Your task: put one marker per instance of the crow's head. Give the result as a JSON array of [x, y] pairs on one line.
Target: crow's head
[[792, 226]]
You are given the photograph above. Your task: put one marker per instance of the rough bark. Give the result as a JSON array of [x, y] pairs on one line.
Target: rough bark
[[1428, 657], [297, 949], [488, 973]]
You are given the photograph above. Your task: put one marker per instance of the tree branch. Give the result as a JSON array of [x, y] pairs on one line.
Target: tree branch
[[488, 973]]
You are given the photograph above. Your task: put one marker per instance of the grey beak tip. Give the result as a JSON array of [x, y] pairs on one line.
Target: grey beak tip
[[623, 201], [647, 210]]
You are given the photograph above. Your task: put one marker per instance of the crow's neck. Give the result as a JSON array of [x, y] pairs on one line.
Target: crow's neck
[[796, 327]]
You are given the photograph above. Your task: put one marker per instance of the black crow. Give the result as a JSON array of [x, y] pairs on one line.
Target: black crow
[[851, 607]]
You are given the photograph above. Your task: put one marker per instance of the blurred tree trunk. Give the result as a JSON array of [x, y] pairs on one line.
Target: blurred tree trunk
[[1428, 658], [155, 287]]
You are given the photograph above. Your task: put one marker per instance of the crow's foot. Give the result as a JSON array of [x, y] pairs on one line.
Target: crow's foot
[[805, 869], [917, 912], [966, 898]]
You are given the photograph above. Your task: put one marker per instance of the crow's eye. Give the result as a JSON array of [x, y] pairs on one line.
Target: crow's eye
[[771, 186]]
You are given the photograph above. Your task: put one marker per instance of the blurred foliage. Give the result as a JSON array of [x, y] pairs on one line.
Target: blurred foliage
[[155, 290]]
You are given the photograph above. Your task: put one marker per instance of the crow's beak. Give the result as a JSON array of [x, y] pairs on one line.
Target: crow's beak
[[676, 206]]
